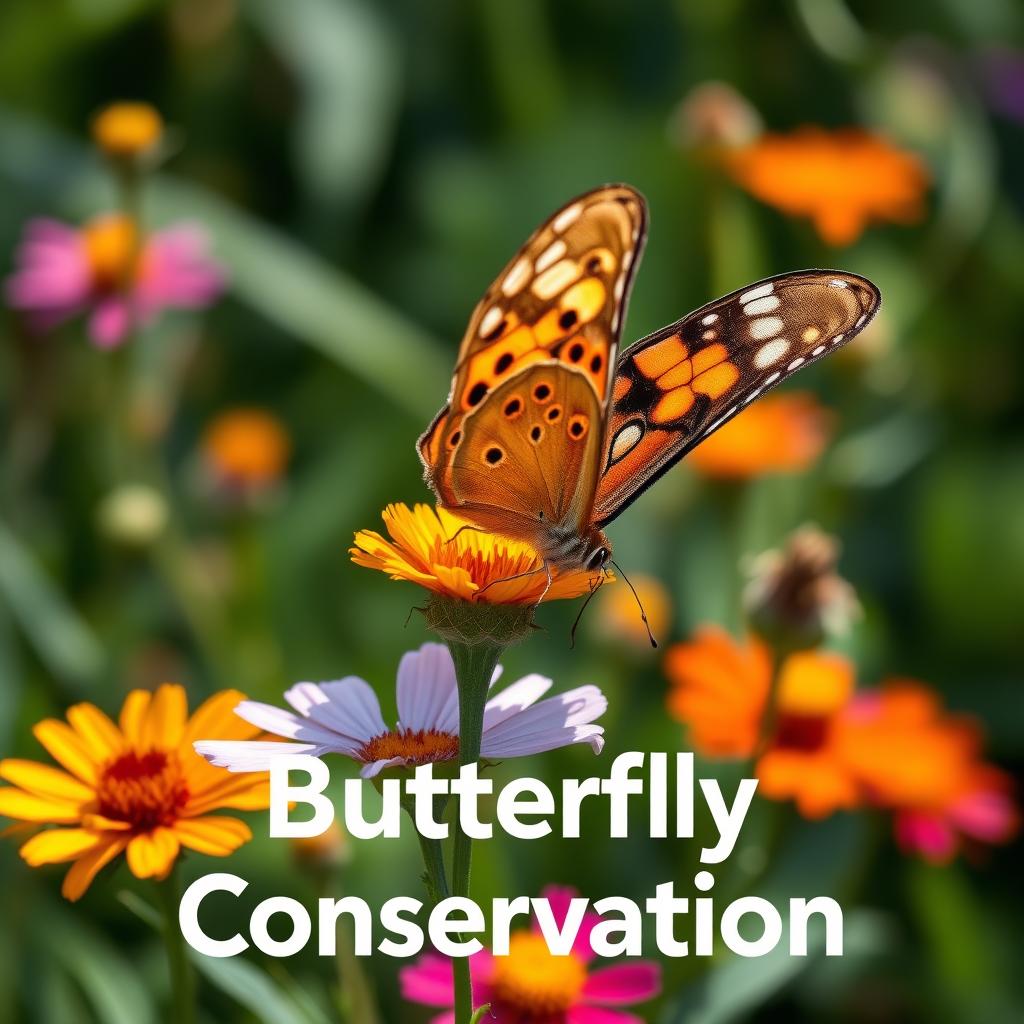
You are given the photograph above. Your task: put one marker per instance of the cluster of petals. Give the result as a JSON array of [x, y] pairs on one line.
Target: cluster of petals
[[344, 717], [831, 748], [451, 557], [530, 985], [135, 787], [107, 272]]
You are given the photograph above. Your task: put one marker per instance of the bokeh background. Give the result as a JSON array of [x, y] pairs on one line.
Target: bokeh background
[[364, 169]]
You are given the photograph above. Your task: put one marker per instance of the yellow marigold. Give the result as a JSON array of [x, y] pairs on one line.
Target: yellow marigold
[[842, 180], [246, 448], [447, 555], [781, 433], [127, 130], [136, 787]]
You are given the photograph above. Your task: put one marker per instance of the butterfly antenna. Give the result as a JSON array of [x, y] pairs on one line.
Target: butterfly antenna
[[590, 597], [639, 604]]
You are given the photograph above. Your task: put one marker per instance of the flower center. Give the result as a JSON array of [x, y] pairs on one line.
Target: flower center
[[112, 250], [424, 746], [802, 732], [144, 789], [533, 980]]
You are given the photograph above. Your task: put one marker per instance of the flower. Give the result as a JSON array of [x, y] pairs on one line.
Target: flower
[[344, 717], [246, 449], [782, 433], [136, 787], [133, 514], [329, 849], [107, 270], [926, 767], [619, 611], [126, 131], [841, 179], [713, 114], [530, 985], [453, 558], [795, 596], [720, 690]]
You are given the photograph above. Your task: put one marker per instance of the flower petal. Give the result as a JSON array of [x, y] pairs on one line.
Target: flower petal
[[100, 735], [44, 781], [27, 807], [85, 869], [429, 981], [151, 854], [164, 724], [291, 726], [215, 718], [428, 696], [67, 747], [347, 706], [249, 755], [555, 722], [623, 984], [599, 1015], [214, 835], [518, 697], [133, 714], [54, 846]]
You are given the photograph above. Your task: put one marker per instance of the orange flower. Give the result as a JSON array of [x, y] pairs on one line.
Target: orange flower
[[782, 433], [136, 788], [619, 614], [246, 448], [926, 767], [127, 130], [841, 179], [720, 690], [448, 556]]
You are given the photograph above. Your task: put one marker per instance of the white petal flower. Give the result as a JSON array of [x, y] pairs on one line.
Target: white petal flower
[[344, 717]]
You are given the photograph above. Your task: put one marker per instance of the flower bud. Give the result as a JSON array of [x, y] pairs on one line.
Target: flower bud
[[795, 597], [128, 132]]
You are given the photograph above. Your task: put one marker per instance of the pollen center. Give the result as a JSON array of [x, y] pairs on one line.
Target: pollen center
[[422, 746], [533, 980], [145, 790], [111, 248]]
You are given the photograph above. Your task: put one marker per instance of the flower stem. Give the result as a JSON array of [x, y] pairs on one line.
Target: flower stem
[[183, 988], [474, 666]]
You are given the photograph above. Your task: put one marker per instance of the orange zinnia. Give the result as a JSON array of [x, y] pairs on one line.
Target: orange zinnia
[[720, 690], [926, 767], [782, 433], [841, 179], [137, 787], [451, 557]]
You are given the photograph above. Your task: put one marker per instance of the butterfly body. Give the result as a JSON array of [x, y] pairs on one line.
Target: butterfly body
[[547, 437]]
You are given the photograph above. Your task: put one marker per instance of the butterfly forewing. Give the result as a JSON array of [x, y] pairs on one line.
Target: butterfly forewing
[[561, 298], [680, 384]]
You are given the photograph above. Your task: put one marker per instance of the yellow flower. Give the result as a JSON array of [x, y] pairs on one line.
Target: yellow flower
[[842, 180], [782, 433], [246, 448], [136, 787], [619, 613], [127, 130], [449, 556]]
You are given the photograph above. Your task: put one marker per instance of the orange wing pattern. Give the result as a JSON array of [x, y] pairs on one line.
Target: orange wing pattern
[[680, 384], [560, 298]]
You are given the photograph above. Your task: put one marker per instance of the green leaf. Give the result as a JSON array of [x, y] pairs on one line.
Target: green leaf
[[62, 640], [252, 988]]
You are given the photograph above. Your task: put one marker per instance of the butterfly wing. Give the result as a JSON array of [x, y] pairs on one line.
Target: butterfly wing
[[561, 298], [680, 384], [528, 459]]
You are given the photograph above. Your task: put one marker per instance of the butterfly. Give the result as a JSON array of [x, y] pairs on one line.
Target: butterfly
[[546, 437]]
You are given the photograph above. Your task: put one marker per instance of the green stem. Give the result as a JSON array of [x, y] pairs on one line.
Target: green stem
[[474, 666], [481, 1013], [433, 853], [183, 987], [770, 718]]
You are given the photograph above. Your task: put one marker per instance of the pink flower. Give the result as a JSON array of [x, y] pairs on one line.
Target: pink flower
[[533, 986], [344, 717], [104, 270]]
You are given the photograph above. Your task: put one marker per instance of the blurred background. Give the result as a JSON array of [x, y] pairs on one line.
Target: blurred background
[[363, 170]]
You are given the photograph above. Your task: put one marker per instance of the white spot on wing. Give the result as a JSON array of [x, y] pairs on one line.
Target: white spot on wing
[[709, 319], [555, 251], [796, 362], [568, 216], [838, 284], [625, 441], [556, 279], [766, 327], [818, 350], [758, 293], [765, 305], [771, 353], [838, 338], [490, 320], [517, 277]]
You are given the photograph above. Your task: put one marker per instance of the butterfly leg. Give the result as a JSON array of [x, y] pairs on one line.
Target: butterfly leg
[[466, 526], [518, 576]]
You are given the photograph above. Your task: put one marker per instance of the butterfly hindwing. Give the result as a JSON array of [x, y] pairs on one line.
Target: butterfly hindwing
[[560, 298], [680, 384]]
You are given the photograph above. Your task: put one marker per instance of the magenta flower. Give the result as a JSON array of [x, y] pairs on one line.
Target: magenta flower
[[344, 717], [105, 271], [533, 986]]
